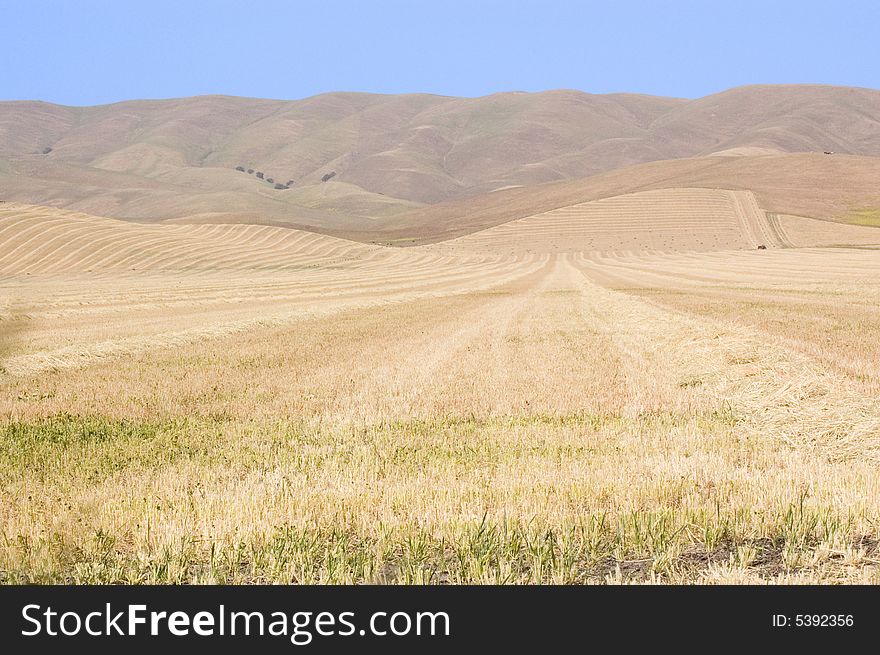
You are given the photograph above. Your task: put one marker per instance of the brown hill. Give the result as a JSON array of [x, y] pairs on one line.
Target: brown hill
[[161, 159], [828, 187], [788, 118], [667, 220]]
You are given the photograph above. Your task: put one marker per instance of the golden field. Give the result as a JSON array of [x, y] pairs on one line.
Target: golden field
[[198, 403]]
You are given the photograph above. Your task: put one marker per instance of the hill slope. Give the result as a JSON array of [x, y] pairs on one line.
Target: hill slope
[[816, 186], [664, 220], [389, 155]]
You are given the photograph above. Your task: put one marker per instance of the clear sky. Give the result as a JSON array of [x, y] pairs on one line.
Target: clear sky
[[84, 52]]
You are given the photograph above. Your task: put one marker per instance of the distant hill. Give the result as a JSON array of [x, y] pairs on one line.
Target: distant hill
[[811, 185], [358, 163]]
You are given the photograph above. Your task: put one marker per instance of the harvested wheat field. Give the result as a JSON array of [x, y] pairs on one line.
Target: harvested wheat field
[[623, 390], [665, 220]]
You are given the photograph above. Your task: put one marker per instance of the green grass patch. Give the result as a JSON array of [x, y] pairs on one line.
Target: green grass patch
[[631, 545], [866, 217], [97, 446]]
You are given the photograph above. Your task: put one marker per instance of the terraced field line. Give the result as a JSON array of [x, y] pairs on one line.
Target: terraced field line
[[406, 384], [661, 220], [437, 283], [755, 223], [778, 230], [774, 391]]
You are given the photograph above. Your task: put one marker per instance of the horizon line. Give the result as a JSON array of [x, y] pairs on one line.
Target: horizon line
[[436, 95]]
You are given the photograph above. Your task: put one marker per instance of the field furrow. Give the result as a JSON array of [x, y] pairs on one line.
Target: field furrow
[[568, 398]]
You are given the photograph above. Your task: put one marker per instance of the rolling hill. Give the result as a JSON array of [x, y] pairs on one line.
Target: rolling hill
[[817, 186], [379, 167], [662, 220]]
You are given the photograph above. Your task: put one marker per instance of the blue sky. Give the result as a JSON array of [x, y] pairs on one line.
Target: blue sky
[[89, 52]]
